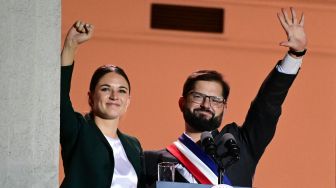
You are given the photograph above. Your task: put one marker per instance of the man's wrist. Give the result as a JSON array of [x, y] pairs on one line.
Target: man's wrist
[[289, 65], [297, 54]]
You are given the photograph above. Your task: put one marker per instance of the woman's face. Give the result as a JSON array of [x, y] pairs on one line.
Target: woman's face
[[111, 96]]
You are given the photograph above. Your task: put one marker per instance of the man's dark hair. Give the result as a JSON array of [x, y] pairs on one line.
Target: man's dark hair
[[101, 71], [206, 75]]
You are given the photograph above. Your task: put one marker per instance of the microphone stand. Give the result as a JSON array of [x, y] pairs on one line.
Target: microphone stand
[[221, 171], [222, 168]]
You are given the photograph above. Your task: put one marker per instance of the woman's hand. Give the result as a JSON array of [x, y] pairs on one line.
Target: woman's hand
[[79, 33]]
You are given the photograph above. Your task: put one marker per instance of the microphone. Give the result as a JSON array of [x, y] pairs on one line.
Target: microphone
[[209, 145], [231, 145]]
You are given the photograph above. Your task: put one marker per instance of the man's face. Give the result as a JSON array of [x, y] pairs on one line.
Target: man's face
[[203, 107]]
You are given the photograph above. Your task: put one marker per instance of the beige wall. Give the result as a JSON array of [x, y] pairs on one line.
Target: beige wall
[[302, 154], [29, 101]]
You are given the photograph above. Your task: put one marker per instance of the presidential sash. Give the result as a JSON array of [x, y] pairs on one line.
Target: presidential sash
[[196, 161]]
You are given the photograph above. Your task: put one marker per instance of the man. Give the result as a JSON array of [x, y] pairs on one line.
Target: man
[[203, 104]]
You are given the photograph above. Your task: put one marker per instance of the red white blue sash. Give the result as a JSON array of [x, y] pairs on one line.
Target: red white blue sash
[[199, 164]]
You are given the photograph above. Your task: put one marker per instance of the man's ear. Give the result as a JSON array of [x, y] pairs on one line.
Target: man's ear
[[181, 103], [225, 106]]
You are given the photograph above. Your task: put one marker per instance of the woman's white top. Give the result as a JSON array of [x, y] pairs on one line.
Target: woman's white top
[[124, 175]]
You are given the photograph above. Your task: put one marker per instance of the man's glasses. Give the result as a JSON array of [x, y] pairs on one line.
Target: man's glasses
[[199, 98]]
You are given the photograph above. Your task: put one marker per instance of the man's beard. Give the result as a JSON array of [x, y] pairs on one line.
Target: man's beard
[[201, 124]]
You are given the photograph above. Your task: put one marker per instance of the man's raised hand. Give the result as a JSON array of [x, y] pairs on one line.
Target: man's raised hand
[[296, 37]]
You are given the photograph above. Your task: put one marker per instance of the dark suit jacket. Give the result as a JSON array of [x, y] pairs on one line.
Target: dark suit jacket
[[252, 137], [87, 156]]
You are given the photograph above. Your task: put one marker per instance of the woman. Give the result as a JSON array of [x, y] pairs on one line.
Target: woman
[[94, 152]]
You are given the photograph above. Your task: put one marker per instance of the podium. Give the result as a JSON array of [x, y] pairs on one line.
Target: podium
[[165, 184]]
